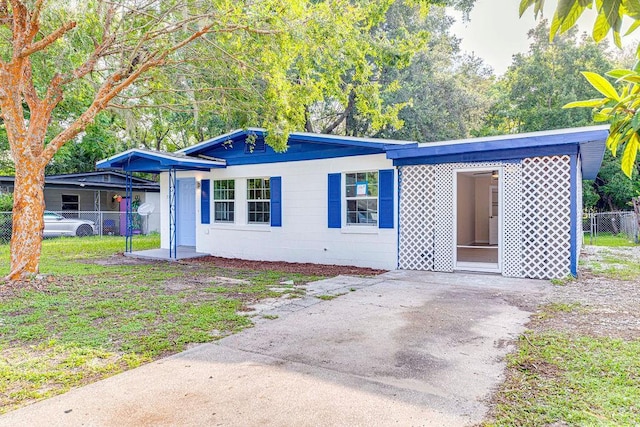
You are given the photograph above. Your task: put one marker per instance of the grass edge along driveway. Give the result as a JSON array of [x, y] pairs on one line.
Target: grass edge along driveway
[[95, 313]]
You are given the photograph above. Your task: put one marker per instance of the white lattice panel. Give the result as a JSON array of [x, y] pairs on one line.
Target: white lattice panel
[[444, 217], [417, 212], [511, 223], [546, 217]]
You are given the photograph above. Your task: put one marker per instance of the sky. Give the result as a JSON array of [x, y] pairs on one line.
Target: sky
[[495, 32]]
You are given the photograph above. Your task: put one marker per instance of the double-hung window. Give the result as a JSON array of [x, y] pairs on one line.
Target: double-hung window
[[361, 190], [224, 200], [258, 201]]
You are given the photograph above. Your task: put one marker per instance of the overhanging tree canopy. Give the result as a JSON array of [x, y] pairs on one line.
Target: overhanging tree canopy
[[619, 107], [63, 62]]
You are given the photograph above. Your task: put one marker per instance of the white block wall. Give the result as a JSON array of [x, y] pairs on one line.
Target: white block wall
[[304, 235]]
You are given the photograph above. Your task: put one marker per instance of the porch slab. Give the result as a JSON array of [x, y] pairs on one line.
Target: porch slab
[[182, 252]]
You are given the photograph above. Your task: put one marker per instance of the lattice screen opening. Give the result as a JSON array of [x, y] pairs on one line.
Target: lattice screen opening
[[535, 225]]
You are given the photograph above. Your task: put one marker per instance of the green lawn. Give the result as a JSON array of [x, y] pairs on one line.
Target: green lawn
[[559, 378], [563, 373], [608, 239], [97, 317]]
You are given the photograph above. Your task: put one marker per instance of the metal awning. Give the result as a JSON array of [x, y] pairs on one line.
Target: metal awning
[[149, 161]]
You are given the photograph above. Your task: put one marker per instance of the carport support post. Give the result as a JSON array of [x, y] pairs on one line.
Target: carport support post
[[129, 214], [172, 214]]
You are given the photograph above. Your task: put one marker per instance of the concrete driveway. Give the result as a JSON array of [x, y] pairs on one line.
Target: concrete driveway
[[405, 348]]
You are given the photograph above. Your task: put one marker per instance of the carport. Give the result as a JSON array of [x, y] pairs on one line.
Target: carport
[[148, 161]]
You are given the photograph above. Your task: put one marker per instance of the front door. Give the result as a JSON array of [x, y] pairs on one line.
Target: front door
[[186, 212], [477, 228]]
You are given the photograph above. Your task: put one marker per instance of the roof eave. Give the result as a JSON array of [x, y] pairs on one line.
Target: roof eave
[[137, 160]]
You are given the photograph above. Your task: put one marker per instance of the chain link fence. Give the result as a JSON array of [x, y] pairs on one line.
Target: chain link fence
[[5, 227], [106, 223], [622, 224]]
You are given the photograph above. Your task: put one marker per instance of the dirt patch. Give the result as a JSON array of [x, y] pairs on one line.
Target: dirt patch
[[308, 269], [39, 283], [596, 304], [288, 267], [120, 259]]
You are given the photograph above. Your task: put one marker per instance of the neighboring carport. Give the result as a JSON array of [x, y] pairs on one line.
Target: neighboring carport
[[148, 161]]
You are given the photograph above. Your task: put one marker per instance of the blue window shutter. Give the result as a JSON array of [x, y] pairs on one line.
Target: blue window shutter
[[335, 200], [385, 198], [276, 201], [205, 201]]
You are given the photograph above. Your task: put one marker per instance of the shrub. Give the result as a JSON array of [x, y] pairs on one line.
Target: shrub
[[6, 202]]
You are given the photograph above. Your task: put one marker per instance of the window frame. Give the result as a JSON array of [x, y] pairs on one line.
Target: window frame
[[71, 213], [224, 201], [259, 196], [371, 196]]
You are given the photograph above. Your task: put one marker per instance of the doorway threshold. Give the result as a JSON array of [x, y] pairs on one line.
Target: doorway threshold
[[483, 267]]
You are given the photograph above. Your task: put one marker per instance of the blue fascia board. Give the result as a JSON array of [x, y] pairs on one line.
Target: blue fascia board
[[501, 144], [275, 157], [140, 161], [235, 154], [295, 138], [234, 136], [333, 140], [483, 156], [391, 147]]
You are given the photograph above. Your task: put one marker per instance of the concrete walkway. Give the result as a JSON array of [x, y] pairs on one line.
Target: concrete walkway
[[182, 252], [405, 348]]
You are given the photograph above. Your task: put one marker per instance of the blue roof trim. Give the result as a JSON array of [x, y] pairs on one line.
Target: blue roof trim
[[234, 136], [381, 145], [237, 154], [139, 160], [275, 157], [590, 140], [514, 154]]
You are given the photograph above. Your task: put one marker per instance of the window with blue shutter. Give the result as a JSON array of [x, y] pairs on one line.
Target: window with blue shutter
[[385, 196], [276, 201], [334, 217], [205, 201]]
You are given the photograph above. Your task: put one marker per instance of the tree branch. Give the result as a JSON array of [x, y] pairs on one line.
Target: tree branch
[[28, 88], [46, 41], [33, 25], [19, 21], [117, 82]]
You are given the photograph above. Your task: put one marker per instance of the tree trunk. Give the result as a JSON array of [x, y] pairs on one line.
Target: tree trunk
[[28, 220]]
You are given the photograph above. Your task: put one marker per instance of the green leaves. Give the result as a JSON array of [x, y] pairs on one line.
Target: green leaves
[[602, 85], [526, 4], [623, 115], [587, 103], [630, 154], [610, 14]]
